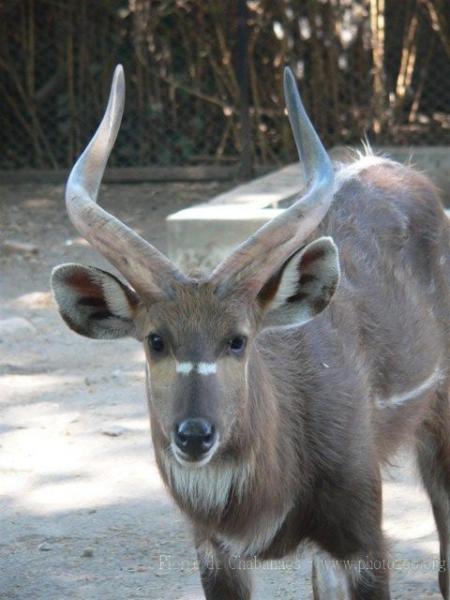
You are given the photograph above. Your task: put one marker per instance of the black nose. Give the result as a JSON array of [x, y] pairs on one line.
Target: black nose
[[195, 437]]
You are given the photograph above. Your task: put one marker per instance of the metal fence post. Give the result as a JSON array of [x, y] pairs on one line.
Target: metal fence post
[[246, 158]]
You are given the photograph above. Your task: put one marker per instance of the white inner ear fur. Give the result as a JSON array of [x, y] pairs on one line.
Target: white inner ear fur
[[115, 297], [70, 283], [320, 277]]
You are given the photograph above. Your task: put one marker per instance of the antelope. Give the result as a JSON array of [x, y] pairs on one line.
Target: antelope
[[281, 382]]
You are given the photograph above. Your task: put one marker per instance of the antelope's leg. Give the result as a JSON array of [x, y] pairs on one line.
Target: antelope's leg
[[350, 531], [221, 575], [433, 457], [328, 578]]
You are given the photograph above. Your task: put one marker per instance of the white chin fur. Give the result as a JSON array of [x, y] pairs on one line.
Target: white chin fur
[[193, 464]]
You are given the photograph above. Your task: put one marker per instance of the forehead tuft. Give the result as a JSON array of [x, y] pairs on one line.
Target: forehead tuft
[[196, 307]]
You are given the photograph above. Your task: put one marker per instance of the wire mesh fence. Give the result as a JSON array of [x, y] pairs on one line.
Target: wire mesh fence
[[365, 67]]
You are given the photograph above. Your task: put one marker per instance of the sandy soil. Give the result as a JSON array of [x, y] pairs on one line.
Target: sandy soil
[[83, 513]]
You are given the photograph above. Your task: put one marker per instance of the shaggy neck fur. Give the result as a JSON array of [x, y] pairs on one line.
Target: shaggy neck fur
[[246, 484]]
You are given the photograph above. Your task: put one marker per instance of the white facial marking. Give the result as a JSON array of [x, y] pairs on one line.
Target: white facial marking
[[184, 367], [205, 368], [399, 399], [202, 368]]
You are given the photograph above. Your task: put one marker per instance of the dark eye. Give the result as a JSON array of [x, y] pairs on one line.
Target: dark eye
[[156, 342], [237, 344]]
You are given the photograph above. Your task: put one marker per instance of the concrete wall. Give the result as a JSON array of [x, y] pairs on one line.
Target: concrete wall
[[199, 237]]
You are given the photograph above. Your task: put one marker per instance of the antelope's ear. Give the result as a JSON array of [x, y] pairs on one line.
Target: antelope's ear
[[303, 287], [93, 302]]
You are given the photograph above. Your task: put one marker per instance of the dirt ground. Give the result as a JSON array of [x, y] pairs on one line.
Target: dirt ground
[[83, 513]]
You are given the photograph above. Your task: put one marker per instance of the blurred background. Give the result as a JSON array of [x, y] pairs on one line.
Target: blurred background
[[204, 79]]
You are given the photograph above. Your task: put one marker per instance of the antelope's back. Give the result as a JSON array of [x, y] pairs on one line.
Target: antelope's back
[[392, 309]]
